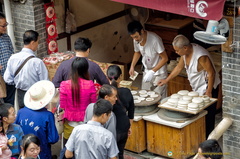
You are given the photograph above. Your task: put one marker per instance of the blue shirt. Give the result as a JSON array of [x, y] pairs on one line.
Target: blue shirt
[[16, 131], [33, 71], [40, 123], [6, 50]]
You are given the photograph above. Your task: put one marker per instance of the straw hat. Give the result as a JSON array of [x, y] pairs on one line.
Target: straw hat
[[39, 95]]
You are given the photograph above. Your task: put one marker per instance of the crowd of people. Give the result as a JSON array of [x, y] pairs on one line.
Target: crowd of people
[[96, 124]]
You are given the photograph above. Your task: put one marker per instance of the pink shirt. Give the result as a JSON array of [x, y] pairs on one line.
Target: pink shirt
[[6, 154], [87, 96]]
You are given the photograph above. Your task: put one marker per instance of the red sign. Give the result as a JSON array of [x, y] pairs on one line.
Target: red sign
[[203, 9]]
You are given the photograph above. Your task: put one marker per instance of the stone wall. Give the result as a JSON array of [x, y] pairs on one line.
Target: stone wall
[[231, 96], [28, 16]]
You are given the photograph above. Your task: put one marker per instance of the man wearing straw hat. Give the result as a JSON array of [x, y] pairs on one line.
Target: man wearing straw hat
[[35, 119]]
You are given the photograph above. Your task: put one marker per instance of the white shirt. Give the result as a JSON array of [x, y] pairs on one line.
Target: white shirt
[[92, 141], [150, 52], [197, 79], [33, 71]]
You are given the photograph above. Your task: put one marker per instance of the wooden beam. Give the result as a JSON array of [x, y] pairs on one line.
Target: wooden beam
[[93, 24]]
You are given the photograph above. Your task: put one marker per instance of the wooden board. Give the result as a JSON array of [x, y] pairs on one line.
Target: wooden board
[[212, 100]]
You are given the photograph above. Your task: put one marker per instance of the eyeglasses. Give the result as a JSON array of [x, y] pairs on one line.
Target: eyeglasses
[[4, 26]]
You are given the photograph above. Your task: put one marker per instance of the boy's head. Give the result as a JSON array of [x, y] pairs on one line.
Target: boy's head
[[102, 110], [7, 113]]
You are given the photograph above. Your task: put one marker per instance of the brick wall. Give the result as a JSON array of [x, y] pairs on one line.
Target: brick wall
[[231, 97], [28, 16]]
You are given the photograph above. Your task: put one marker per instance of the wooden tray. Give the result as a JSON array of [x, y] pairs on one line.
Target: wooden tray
[[163, 105]]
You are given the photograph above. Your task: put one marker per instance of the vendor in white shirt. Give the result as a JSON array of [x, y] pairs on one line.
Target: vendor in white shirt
[[201, 73], [154, 57]]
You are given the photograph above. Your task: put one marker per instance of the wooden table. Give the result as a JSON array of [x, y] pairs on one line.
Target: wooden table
[[175, 140], [137, 141]]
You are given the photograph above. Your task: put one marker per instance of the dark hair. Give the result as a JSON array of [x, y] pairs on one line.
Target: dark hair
[[211, 148], [2, 16], [27, 140], [79, 69], [106, 89], [1, 125], [82, 44], [113, 73], [134, 26], [4, 109], [102, 106], [29, 36]]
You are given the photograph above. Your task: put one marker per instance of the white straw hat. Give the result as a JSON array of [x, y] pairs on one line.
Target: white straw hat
[[39, 95]]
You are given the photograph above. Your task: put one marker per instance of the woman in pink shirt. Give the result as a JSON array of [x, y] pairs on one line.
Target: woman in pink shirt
[[76, 94]]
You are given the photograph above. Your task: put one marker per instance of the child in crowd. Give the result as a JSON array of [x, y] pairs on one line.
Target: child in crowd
[[123, 109], [35, 119], [5, 152], [30, 147], [13, 131]]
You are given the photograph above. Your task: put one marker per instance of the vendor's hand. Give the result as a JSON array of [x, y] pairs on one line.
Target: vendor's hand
[[209, 94], [149, 76], [131, 71], [162, 82]]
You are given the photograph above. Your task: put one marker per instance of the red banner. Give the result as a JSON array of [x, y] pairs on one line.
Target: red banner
[[203, 9]]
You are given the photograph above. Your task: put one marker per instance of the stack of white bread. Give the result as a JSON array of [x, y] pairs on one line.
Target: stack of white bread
[[186, 100]]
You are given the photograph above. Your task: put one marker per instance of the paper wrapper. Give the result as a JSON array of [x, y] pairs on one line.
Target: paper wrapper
[[134, 76]]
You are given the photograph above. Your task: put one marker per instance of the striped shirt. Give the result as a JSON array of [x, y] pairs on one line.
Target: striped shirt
[[6, 50]]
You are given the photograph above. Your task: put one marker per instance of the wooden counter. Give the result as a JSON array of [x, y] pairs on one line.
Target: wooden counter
[[175, 140], [137, 141]]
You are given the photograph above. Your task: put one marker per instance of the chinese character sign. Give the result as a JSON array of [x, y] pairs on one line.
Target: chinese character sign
[[203, 9]]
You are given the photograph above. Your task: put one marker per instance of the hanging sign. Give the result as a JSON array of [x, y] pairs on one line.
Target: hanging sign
[[203, 9]]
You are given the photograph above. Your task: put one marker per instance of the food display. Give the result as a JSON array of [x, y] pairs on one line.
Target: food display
[[144, 95], [186, 101], [52, 61], [58, 57]]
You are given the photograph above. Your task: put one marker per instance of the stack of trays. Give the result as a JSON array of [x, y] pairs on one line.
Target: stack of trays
[[183, 104], [183, 92], [193, 106], [206, 99], [193, 94], [176, 96], [172, 102], [185, 100], [199, 101]]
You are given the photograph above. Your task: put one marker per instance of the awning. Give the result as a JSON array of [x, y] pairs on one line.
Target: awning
[[208, 9]]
